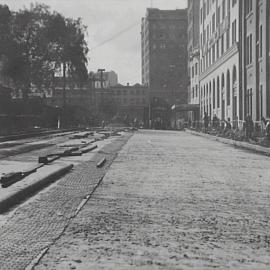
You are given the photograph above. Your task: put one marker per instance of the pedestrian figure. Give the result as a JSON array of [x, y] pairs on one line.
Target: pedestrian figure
[[267, 127], [205, 122], [215, 122], [228, 125], [103, 124], [249, 126]]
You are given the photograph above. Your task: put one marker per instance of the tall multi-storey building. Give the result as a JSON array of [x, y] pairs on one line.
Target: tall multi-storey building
[[164, 57], [255, 58], [219, 59], [193, 53]]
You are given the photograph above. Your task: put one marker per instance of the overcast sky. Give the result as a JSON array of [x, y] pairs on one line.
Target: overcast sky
[[105, 19]]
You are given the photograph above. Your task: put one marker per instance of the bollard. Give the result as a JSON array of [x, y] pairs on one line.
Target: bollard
[[88, 149], [101, 163], [11, 178], [48, 159]]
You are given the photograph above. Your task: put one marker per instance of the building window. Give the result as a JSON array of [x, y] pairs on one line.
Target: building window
[[249, 49], [204, 11], [227, 39], [217, 48], [248, 6], [228, 89], [261, 41], [223, 9], [218, 17], [218, 93], [193, 72], [249, 102], [234, 32], [196, 69], [213, 23], [213, 54], [261, 101], [222, 44], [214, 94]]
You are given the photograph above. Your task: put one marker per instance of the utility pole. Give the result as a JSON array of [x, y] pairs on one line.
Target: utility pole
[[64, 96], [101, 70]]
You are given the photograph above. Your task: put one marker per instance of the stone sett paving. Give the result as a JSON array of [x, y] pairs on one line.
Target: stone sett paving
[[172, 201], [35, 225]]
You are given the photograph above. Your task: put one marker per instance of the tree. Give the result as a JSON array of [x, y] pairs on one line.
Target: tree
[[35, 42], [26, 62], [68, 49]]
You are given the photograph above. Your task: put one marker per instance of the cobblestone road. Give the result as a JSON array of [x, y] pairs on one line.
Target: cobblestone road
[[172, 201], [36, 224]]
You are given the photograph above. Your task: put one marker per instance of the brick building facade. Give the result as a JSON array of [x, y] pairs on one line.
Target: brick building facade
[[164, 57]]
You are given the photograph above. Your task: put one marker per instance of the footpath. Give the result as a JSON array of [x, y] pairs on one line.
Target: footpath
[[245, 145], [37, 223]]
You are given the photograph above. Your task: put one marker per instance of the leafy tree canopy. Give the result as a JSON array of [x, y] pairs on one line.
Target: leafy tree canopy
[[36, 41]]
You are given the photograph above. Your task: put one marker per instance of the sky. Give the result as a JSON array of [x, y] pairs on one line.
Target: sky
[[105, 20]]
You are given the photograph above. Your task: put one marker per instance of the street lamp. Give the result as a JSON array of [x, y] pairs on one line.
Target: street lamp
[[171, 72], [101, 70]]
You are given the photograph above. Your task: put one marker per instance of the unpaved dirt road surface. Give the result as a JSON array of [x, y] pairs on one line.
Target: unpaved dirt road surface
[[172, 201]]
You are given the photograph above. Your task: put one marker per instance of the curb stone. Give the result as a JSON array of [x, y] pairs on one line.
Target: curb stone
[[22, 193], [239, 144]]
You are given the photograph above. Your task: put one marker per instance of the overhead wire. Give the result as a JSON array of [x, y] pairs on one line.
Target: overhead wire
[[116, 35]]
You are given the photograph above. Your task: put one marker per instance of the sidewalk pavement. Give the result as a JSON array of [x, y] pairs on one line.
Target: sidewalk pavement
[[172, 201], [244, 145]]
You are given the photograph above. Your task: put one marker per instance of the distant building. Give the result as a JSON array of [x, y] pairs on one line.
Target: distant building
[[131, 101], [219, 59], [193, 54], [110, 78], [255, 58], [75, 95], [164, 57]]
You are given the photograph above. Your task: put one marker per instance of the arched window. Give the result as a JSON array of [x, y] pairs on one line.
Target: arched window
[[234, 100], [228, 88], [234, 75], [214, 94], [222, 86], [218, 93]]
